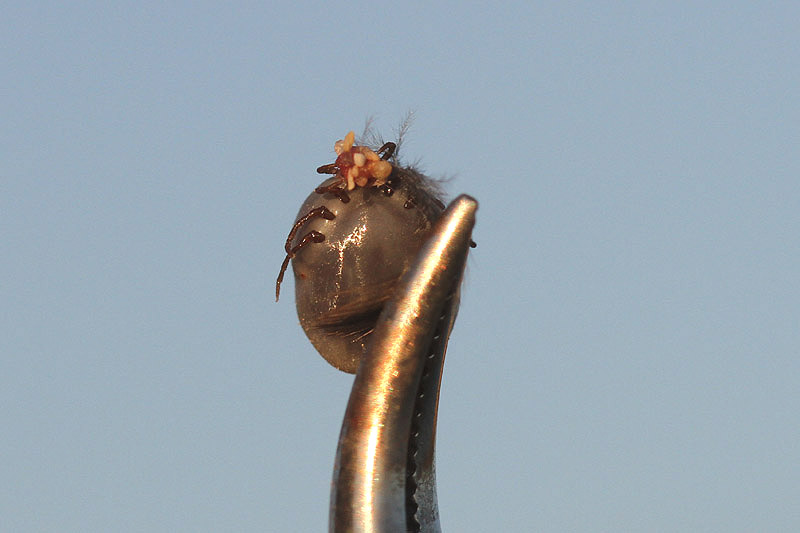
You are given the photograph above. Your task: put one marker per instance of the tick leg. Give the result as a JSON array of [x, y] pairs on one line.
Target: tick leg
[[311, 236], [284, 266], [386, 151], [320, 211], [330, 168], [336, 190]]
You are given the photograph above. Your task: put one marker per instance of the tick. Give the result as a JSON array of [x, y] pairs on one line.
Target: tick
[[352, 239]]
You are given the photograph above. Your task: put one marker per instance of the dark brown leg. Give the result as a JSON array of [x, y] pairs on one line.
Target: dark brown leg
[[330, 168], [336, 190], [320, 211], [311, 236], [387, 150]]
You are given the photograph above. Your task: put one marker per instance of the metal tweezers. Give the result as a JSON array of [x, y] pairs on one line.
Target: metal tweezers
[[384, 476]]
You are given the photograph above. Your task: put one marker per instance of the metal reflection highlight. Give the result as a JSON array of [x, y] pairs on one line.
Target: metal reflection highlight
[[384, 475]]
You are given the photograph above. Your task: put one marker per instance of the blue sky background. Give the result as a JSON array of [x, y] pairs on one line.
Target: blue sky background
[[627, 353]]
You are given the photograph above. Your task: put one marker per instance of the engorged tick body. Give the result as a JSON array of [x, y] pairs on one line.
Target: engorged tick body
[[353, 238]]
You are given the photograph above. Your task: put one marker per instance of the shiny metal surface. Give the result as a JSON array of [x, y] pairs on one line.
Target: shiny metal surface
[[384, 475]]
